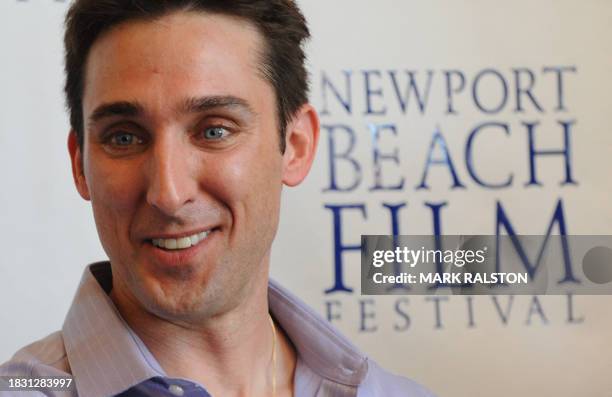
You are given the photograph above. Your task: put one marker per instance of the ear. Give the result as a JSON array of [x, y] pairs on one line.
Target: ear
[[76, 158], [300, 145]]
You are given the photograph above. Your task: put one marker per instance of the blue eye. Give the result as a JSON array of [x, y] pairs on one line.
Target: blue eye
[[125, 139], [215, 133]]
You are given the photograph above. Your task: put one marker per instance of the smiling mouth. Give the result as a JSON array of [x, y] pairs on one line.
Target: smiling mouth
[[173, 244]]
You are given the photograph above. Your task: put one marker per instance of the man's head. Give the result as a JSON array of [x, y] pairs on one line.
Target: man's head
[[180, 152], [280, 61]]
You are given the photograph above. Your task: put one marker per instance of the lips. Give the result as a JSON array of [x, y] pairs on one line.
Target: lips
[[181, 242], [173, 250], [177, 241]]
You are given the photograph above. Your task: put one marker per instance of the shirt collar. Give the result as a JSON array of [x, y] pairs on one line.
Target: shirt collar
[[319, 345], [106, 357]]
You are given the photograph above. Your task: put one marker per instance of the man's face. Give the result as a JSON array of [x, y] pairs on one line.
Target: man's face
[[182, 150]]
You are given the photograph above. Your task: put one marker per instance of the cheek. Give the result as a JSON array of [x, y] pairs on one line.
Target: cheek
[[248, 181], [114, 185], [115, 191]]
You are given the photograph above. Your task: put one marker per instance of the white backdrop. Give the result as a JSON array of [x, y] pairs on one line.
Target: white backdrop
[[361, 58]]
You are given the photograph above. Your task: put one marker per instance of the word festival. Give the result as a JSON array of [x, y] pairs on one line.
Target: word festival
[[393, 133], [370, 315]]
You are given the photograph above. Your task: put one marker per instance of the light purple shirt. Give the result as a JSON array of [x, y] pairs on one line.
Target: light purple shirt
[[105, 357]]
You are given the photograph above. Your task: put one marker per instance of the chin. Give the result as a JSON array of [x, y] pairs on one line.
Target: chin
[[182, 302]]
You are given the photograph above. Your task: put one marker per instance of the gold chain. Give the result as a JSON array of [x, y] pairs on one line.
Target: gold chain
[[273, 356]]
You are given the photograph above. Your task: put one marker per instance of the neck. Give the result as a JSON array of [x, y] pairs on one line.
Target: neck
[[229, 354]]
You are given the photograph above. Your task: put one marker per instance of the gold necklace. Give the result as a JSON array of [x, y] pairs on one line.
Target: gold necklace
[[273, 355]]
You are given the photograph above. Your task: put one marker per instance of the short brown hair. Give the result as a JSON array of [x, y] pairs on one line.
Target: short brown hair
[[280, 22]]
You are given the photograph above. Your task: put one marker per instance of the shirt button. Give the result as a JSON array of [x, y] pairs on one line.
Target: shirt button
[[176, 390]]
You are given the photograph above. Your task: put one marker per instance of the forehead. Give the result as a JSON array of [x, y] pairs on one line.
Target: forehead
[[180, 55]]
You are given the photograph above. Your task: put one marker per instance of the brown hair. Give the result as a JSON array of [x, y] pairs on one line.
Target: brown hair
[[280, 22]]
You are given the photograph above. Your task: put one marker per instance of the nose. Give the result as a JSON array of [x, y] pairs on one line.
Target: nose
[[171, 185]]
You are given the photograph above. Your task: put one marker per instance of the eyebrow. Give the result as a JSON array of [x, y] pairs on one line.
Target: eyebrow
[[123, 108], [201, 104], [190, 105]]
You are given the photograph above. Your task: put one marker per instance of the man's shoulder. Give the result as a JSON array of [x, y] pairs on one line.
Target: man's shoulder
[[45, 357], [380, 382]]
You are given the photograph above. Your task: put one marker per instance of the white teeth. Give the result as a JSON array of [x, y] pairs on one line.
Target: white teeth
[[181, 243]]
